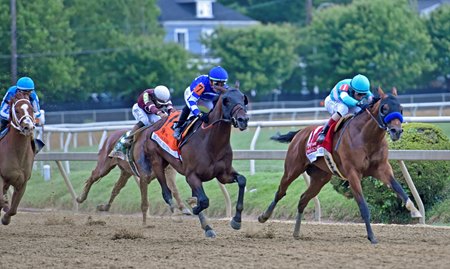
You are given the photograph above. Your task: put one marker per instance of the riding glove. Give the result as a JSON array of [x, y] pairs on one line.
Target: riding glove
[[204, 117]]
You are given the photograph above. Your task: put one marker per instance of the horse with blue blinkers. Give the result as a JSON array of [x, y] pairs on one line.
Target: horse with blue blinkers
[[360, 150]]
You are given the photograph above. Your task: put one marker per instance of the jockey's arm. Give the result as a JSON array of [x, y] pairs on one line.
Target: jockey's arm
[[349, 101], [35, 103], [194, 97]]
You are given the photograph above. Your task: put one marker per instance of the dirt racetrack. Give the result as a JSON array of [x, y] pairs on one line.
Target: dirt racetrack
[[67, 240]]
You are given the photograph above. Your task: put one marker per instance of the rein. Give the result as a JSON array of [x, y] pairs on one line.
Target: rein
[[15, 122], [233, 121]]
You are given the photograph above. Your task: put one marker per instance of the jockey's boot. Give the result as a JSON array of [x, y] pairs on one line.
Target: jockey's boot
[[323, 133], [178, 127], [128, 140], [3, 125]]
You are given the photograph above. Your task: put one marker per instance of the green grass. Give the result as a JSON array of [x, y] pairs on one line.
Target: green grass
[[261, 188]]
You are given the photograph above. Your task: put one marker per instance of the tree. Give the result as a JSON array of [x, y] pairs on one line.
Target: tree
[[44, 43], [385, 40], [438, 25], [260, 57]]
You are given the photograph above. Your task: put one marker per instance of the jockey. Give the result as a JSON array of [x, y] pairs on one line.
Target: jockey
[[201, 92], [151, 106], [348, 96], [24, 84]]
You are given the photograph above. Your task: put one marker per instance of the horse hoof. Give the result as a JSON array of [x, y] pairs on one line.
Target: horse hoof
[[210, 234], [416, 214], [262, 219], [186, 211], [6, 221], [103, 208], [373, 240], [235, 225], [79, 200]]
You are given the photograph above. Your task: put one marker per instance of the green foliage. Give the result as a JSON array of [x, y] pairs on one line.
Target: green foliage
[[261, 57], [431, 178], [439, 29], [383, 39]]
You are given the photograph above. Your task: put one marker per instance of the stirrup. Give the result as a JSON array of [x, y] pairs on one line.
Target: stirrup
[[177, 133], [320, 138]]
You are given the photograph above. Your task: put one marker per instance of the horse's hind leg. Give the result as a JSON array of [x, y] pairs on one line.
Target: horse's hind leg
[[121, 182], [318, 179], [15, 200], [291, 171], [104, 166]]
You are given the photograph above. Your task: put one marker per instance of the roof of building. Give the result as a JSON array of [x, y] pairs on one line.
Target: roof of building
[[185, 10]]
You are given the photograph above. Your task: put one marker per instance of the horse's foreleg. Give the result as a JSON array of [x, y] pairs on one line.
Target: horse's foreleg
[[237, 219], [355, 186], [291, 172], [121, 182], [15, 200], [206, 226], [386, 175], [143, 187], [318, 179]]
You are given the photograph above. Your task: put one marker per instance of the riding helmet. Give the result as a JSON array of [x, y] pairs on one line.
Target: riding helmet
[[360, 84], [25, 84], [218, 73], [162, 94]]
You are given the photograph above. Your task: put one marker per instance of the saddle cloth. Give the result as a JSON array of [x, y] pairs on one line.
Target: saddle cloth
[[164, 136], [315, 150], [120, 151]]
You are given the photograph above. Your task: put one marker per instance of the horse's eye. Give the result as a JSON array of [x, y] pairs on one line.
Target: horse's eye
[[385, 109]]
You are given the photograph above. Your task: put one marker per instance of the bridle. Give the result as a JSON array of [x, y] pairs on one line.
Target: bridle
[[383, 119], [16, 121]]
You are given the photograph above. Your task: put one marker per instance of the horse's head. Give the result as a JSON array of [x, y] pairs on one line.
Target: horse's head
[[234, 107], [390, 114], [21, 113]]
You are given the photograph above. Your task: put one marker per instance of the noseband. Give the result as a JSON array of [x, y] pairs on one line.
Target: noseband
[[16, 121]]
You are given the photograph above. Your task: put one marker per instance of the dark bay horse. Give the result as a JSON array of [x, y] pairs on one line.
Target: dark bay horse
[[207, 154], [363, 151], [105, 164], [17, 153]]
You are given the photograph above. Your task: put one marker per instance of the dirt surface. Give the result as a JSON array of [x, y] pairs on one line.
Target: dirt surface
[[68, 240]]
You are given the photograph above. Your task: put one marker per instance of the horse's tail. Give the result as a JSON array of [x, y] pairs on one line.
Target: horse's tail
[[286, 138]]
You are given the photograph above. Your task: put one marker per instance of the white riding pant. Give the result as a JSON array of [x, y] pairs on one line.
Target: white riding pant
[[140, 115], [338, 106]]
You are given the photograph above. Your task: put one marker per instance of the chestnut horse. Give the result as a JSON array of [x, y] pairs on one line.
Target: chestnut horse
[[362, 152], [105, 164], [206, 154], [17, 154]]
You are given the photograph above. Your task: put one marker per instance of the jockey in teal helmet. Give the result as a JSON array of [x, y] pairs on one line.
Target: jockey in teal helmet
[[202, 92], [24, 84], [347, 96]]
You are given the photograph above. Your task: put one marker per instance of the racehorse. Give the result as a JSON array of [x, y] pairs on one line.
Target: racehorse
[[206, 154], [106, 163], [17, 154], [362, 151]]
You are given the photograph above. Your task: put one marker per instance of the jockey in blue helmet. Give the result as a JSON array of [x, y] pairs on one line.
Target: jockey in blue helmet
[[347, 96], [24, 84], [202, 92]]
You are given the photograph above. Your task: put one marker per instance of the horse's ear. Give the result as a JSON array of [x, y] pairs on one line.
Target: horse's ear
[[394, 91], [237, 84], [381, 92]]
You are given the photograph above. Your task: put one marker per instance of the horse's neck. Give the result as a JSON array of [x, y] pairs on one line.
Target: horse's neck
[[368, 127], [17, 143], [220, 130]]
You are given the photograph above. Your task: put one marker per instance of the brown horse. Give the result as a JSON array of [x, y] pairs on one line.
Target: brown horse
[[206, 154], [362, 152], [105, 164], [17, 155]]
